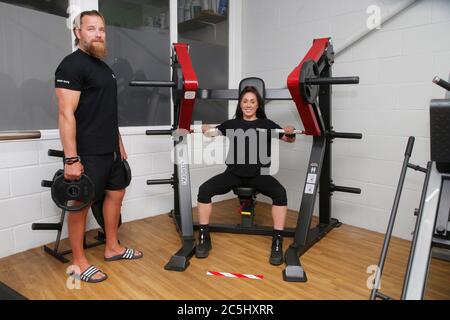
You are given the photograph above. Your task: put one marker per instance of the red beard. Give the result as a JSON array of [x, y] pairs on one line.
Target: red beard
[[97, 49]]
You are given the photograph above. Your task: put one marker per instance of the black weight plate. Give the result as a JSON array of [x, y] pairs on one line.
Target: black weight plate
[[309, 70], [127, 169], [330, 53], [177, 78], [64, 191], [57, 174]]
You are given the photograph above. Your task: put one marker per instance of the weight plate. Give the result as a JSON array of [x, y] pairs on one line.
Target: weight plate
[[64, 192], [127, 169], [309, 70]]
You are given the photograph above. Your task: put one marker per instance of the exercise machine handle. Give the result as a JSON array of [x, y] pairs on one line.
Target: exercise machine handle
[[197, 129], [442, 83], [333, 80], [417, 168], [157, 84], [296, 131], [409, 146]]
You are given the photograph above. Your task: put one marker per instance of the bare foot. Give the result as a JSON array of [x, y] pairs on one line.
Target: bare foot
[[82, 266], [119, 250]]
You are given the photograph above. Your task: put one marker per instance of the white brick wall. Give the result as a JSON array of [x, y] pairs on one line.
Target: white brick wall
[[23, 164], [395, 65], [20, 210], [4, 184], [18, 154]]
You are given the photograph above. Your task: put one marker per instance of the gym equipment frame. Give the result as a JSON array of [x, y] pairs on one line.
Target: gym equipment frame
[[432, 227], [309, 86]]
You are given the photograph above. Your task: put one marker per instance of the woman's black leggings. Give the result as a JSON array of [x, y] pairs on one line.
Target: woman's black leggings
[[226, 181]]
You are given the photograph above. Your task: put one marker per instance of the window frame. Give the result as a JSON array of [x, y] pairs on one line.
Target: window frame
[[234, 54]]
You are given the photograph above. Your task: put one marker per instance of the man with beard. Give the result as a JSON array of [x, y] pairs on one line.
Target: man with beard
[[86, 91]]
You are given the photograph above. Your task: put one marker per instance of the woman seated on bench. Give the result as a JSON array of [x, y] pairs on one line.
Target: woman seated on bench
[[246, 168]]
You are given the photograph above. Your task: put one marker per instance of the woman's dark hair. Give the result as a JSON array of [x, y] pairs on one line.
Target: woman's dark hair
[[260, 113]]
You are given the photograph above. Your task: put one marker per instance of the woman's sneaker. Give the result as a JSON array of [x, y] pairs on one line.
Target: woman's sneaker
[[204, 244], [276, 254]]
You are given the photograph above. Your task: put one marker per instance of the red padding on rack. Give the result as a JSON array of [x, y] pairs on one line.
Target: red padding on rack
[[190, 85], [305, 109]]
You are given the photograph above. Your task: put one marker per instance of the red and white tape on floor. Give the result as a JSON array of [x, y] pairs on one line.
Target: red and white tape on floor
[[235, 275]]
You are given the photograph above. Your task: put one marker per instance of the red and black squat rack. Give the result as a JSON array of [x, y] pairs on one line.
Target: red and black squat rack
[[309, 86]]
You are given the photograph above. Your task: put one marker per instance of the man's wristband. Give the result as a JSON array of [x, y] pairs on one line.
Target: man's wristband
[[71, 160]]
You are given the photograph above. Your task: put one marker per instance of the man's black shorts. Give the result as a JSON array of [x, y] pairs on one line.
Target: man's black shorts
[[106, 172]]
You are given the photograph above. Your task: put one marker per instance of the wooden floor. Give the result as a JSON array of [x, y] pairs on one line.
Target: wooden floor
[[336, 266]]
